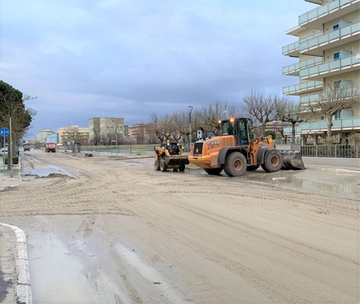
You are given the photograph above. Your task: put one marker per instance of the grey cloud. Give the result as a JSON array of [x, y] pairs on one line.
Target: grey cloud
[[139, 55]]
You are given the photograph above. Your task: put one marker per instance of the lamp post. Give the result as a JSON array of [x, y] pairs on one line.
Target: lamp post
[[190, 110], [116, 141], [10, 150]]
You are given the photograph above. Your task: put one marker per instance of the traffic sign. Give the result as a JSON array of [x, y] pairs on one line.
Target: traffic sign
[[4, 132]]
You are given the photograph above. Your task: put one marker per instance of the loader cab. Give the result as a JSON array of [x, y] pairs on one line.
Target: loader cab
[[173, 148], [238, 127]]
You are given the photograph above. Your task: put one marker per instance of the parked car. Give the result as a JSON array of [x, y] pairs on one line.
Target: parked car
[[4, 149]]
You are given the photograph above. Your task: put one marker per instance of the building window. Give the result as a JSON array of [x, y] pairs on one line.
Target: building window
[[337, 56], [337, 114], [335, 27], [337, 84]]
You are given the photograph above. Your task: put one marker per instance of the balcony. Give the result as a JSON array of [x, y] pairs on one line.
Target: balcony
[[308, 86], [331, 68], [293, 69], [342, 124], [332, 39], [311, 98], [331, 10], [338, 124], [291, 49]]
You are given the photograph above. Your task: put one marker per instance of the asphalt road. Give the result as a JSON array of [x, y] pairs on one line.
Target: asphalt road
[[105, 230]]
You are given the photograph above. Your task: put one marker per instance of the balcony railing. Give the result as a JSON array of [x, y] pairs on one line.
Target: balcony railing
[[302, 64], [338, 124], [304, 86], [329, 37], [330, 66], [321, 125], [306, 99], [290, 48], [324, 10]]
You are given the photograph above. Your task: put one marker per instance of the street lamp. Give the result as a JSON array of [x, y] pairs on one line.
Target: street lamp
[[190, 110], [116, 141]]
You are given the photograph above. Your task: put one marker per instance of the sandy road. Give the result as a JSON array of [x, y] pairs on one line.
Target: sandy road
[[134, 235]]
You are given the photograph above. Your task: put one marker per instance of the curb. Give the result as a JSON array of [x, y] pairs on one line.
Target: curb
[[23, 285]]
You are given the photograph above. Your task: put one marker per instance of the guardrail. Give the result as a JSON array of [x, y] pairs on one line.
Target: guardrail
[[337, 151]]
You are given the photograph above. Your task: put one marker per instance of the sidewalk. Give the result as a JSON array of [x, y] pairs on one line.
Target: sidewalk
[[345, 163], [14, 269], [6, 181]]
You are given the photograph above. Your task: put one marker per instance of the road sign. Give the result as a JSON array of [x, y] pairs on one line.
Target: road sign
[[4, 132]]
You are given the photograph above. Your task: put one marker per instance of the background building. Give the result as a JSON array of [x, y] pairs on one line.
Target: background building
[[328, 52], [94, 130], [41, 136], [79, 134], [112, 129], [144, 133]]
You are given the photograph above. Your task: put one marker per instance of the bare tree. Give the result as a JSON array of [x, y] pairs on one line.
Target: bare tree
[[163, 126], [73, 133], [332, 101], [262, 108], [208, 118], [97, 137], [180, 124], [288, 110]]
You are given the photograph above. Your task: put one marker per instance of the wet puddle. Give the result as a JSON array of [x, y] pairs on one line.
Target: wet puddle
[[150, 274], [56, 276], [47, 171]]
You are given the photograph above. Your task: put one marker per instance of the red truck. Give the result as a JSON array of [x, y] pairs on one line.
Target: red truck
[[50, 147]]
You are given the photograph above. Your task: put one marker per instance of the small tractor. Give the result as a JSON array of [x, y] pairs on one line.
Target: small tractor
[[170, 155], [235, 153]]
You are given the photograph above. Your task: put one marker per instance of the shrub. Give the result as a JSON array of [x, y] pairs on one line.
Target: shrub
[[15, 160], [270, 132]]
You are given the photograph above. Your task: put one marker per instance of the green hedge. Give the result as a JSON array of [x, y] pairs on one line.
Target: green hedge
[[15, 160]]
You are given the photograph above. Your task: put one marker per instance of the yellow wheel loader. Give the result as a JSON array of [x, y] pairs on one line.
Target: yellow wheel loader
[[235, 153], [170, 155]]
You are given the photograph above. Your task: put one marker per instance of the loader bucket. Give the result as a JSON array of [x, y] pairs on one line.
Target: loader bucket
[[292, 160], [176, 160]]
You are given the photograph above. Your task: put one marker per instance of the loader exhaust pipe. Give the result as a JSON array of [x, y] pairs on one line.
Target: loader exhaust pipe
[[292, 160]]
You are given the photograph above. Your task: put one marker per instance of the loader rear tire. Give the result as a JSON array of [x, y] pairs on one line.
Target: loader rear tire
[[163, 166], [272, 161], [215, 171], [157, 165], [235, 164]]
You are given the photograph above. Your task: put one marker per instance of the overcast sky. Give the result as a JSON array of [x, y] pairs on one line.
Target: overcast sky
[[132, 58]]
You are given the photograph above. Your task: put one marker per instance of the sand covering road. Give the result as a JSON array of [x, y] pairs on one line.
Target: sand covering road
[[211, 239]]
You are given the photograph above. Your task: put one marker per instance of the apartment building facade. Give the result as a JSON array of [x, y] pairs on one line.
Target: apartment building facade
[[328, 53], [43, 134], [112, 129], [79, 134], [143, 133], [94, 129]]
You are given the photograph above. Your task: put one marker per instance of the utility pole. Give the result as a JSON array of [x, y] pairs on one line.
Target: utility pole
[[190, 110], [116, 139], [10, 154]]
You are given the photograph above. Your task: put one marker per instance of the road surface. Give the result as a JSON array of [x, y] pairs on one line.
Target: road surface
[[104, 230]]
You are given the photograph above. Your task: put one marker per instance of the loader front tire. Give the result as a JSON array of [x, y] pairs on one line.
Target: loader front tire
[[182, 168], [157, 165], [163, 166], [235, 164], [272, 161]]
